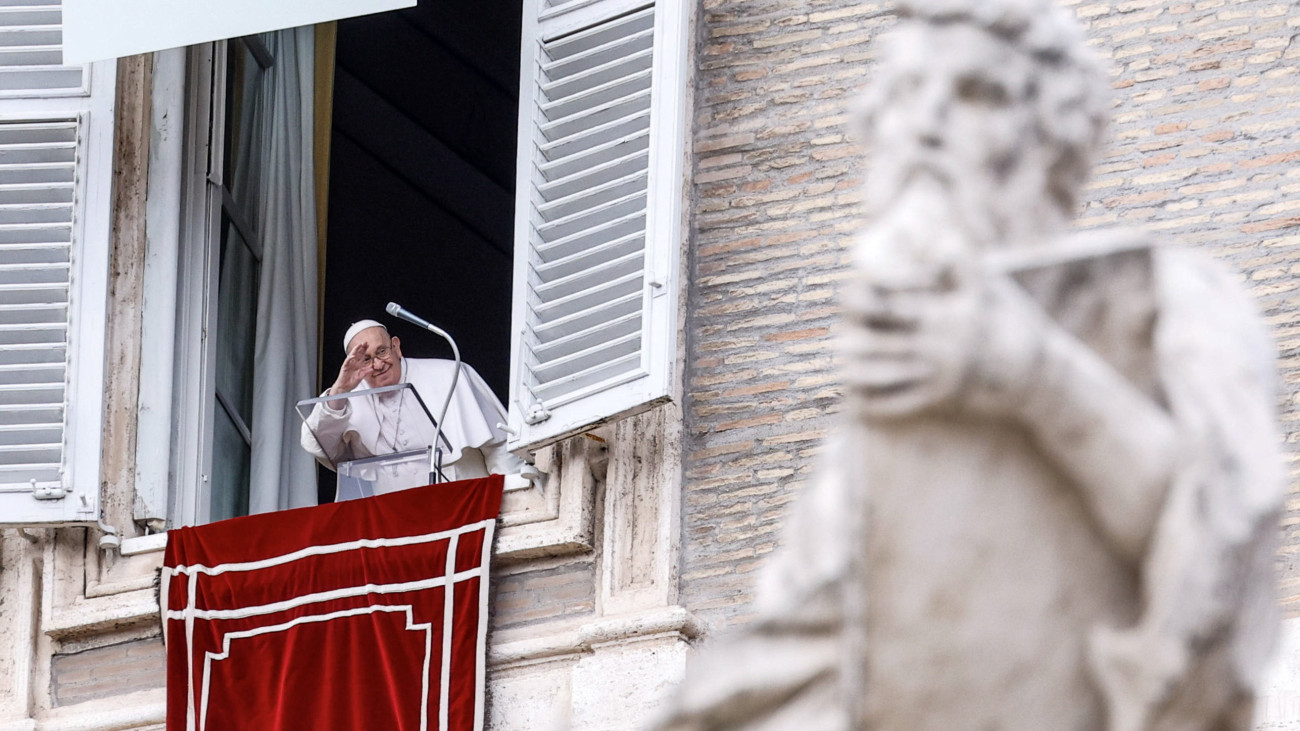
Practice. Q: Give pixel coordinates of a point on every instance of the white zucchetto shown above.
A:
(357, 327)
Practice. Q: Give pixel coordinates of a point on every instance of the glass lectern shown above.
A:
(383, 440)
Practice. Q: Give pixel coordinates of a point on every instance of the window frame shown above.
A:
(178, 399)
(205, 99)
(173, 483)
(156, 425)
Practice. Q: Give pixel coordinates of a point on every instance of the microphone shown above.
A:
(399, 311)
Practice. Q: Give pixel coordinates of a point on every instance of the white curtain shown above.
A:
(280, 137)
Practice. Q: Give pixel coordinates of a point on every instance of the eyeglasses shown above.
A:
(381, 353)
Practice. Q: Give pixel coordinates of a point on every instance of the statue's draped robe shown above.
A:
(943, 573)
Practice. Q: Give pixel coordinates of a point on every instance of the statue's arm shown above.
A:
(1207, 577)
(1119, 446)
(1126, 451)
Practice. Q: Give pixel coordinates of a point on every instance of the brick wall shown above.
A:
(1204, 144)
(776, 206)
(539, 594)
(107, 671)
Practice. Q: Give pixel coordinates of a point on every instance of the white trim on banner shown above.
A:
(94, 30)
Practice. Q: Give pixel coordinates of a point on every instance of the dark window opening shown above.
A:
(421, 181)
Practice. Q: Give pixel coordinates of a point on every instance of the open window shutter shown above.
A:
(55, 178)
(598, 215)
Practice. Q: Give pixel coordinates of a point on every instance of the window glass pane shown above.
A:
(231, 457)
(236, 320)
(244, 112)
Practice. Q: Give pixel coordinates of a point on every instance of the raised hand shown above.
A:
(351, 373)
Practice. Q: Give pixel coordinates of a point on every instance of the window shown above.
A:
(421, 179)
(56, 136)
(220, 264)
(239, 265)
(587, 292)
(246, 294)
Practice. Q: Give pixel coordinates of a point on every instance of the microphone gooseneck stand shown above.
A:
(397, 310)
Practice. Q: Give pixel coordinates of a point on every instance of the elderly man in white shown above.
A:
(355, 428)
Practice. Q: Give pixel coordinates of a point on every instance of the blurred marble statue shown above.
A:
(1054, 500)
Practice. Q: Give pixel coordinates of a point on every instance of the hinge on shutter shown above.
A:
(535, 413)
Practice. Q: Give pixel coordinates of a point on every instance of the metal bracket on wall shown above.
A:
(110, 541)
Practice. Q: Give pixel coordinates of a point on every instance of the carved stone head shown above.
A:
(1012, 109)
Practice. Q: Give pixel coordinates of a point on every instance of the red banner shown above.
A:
(368, 614)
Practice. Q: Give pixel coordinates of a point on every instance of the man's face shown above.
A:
(964, 117)
(385, 353)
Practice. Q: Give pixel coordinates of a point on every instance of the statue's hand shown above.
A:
(962, 341)
(906, 346)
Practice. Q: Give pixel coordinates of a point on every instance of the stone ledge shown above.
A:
(103, 613)
(629, 628)
(153, 543)
(142, 711)
(675, 622)
(540, 540)
(522, 653)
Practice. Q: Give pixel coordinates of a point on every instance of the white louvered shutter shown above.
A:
(598, 218)
(55, 178)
